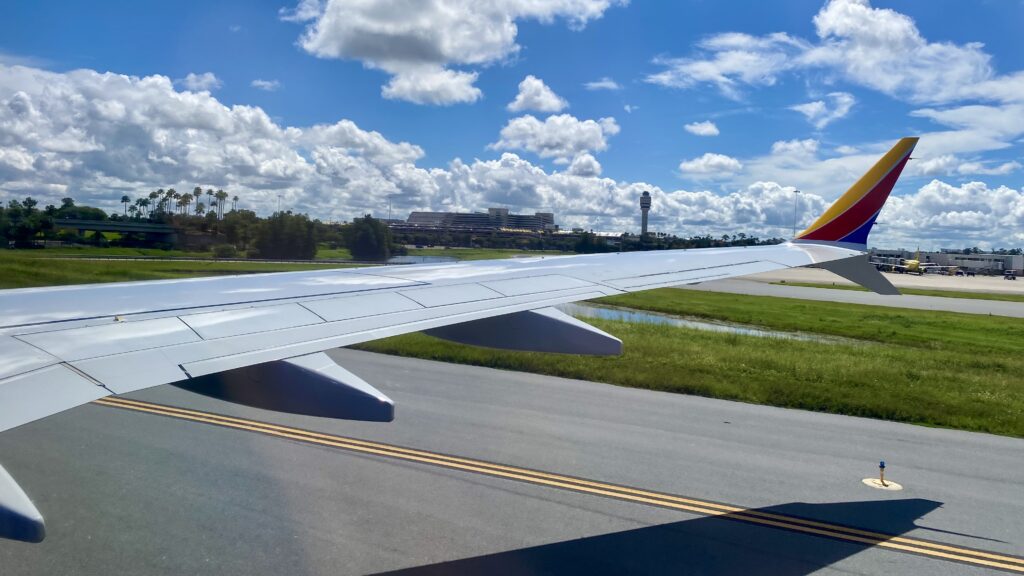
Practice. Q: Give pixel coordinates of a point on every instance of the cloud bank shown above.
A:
(96, 136)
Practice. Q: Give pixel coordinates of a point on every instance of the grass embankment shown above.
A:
(937, 369)
(916, 291)
(19, 270)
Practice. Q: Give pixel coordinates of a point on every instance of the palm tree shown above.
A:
(177, 199)
(234, 203)
(172, 196)
(134, 210)
(221, 197)
(209, 197)
(125, 200)
(144, 204)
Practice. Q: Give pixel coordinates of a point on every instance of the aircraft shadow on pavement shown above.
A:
(705, 545)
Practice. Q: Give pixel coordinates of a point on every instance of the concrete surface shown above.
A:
(981, 284)
(126, 492)
(750, 286)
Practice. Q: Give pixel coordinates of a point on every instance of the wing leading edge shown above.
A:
(65, 346)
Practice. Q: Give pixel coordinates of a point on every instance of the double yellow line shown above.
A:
(703, 507)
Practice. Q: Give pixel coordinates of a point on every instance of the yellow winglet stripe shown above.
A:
(864, 185)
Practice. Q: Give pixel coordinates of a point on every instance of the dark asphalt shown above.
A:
(126, 492)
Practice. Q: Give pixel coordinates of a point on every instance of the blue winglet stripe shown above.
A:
(860, 235)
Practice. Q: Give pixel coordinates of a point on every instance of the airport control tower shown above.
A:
(645, 207)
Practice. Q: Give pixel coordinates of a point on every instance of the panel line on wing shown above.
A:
(216, 307)
(730, 265)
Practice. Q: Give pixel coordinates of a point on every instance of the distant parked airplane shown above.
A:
(912, 266)
(264, 336)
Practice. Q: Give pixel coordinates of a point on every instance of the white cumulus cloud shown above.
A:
(432, 85)
(265, 85)
(416, 42)
(561, 137)
(728, 61)
(710, 164)
(199, 82)
(877, 48)
(534, 94)
(705, 128)
(943, 214)
(605, 83)
(821, 113)
(585, 165)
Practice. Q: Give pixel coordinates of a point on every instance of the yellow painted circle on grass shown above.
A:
(876, 483)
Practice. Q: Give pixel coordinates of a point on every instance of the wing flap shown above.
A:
(123, 373)
(535, 284)
(211, 325)
(451, 294)
(373, 304)
(112, 338)
(17, 357)
(39, 393)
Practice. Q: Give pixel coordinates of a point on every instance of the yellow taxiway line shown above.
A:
(664, 500)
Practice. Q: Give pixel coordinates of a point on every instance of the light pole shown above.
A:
(796, 194)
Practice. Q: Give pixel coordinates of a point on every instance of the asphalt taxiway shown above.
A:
(487, 471)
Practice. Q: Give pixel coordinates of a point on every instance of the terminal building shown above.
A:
(493, 219)
(994, 264)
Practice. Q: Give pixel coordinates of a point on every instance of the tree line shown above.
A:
(166, 201)
(217, 222)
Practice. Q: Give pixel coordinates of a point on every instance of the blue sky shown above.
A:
(864, 74)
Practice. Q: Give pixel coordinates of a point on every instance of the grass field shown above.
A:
(18, 270)
(96, 252)
(323, 253)
(937, 369)
(916, 291)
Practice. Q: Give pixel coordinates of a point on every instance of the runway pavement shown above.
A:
(658, 483)
(753, 287)
(978, 284)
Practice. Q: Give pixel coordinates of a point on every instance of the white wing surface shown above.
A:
(63, 346)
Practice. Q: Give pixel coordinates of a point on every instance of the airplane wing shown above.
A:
(61, 347)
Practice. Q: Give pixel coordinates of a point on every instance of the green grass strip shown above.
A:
(931, 368)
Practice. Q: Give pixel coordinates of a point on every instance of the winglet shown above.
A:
(850, 219)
